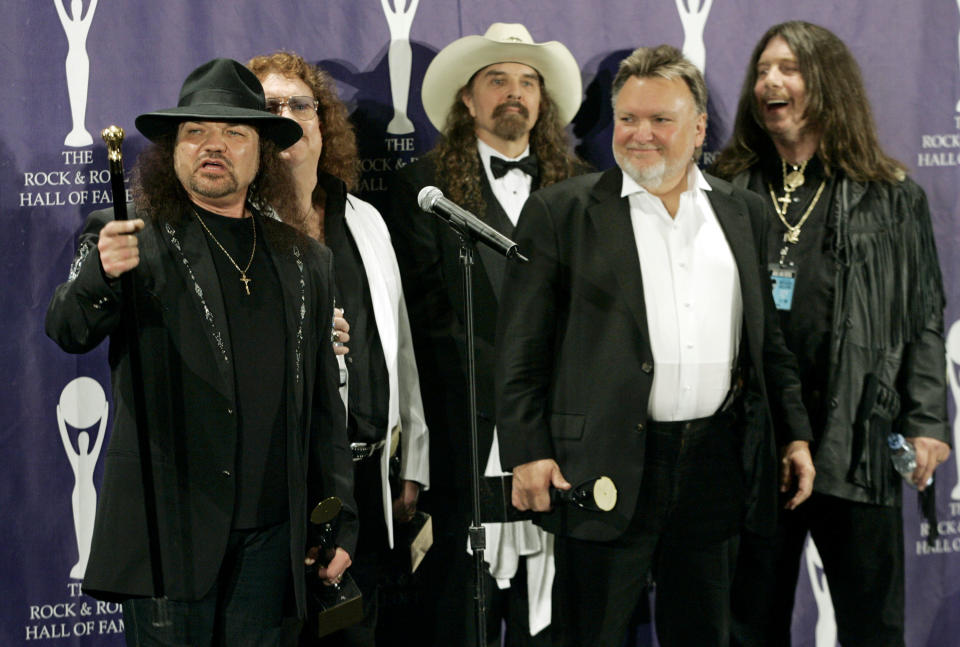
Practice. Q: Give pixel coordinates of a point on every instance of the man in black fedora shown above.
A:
(246, 427)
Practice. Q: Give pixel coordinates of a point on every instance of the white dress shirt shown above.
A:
(511, 190)
(692, 293)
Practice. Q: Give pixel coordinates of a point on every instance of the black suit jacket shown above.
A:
(428, 253)
(191, 404)
(574, 363)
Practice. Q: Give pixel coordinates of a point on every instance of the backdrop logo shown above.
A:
(953, 366)
(400, 59)
(77, 26)
(693, 16)
(825, 634)
(82, 411)
(948, 528)
(82, 405)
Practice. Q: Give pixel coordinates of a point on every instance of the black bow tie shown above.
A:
(500, 166)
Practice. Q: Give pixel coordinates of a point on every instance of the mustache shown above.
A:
(500, 110)
(214, 156)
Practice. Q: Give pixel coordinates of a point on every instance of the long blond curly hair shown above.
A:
(339, 155)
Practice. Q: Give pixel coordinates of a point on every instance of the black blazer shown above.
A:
(428, 253)
(190, 398)
(574, 362)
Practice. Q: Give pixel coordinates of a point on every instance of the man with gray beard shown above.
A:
(641, 343)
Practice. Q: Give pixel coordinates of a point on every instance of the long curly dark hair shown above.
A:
(837, 105)
(339, 155)
(458, 165)
(158, 194)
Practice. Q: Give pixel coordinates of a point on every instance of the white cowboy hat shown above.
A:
(456, 63)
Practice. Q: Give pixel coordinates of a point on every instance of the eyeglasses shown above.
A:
(301, 108)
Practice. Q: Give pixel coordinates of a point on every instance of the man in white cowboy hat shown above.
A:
(246, 428)
(501, 102)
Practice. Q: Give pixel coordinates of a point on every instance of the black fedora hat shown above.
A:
(221, 90)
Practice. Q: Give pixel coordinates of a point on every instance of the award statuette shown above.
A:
(331, 607)
(597, 495)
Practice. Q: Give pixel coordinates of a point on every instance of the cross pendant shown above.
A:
(785, 200)
(246, 282)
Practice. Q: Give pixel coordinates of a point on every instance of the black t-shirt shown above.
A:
(255, 322)
(806, 326)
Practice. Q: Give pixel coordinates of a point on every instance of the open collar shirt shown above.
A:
(692, 293)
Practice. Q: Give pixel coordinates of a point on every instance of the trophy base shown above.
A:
(333, 608)
(413, 539)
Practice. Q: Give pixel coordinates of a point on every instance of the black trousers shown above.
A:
(244, 608)
(861, 546)
(683, 534)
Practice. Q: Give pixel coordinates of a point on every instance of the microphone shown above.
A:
(431, 199)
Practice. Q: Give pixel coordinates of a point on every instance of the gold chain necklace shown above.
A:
(791, 182)
(243, 272)
(794, 179)
(792, 234)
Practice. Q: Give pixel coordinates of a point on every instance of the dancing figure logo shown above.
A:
(77, 26)
(399, 15)
(693, 16)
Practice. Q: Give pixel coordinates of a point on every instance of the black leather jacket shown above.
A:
(887, 327)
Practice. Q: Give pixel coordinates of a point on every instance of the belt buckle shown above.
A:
(361, 451)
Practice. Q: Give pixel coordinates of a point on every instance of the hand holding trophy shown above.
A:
(340, 604)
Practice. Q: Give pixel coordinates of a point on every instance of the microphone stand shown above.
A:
(468, 248)
(477, 533)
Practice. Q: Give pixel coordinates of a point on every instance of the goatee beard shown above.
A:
(510, 126)
(650, 178)
(213, 189)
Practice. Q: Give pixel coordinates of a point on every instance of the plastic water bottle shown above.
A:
(904, 457)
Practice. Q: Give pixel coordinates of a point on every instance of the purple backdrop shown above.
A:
(71, 68)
